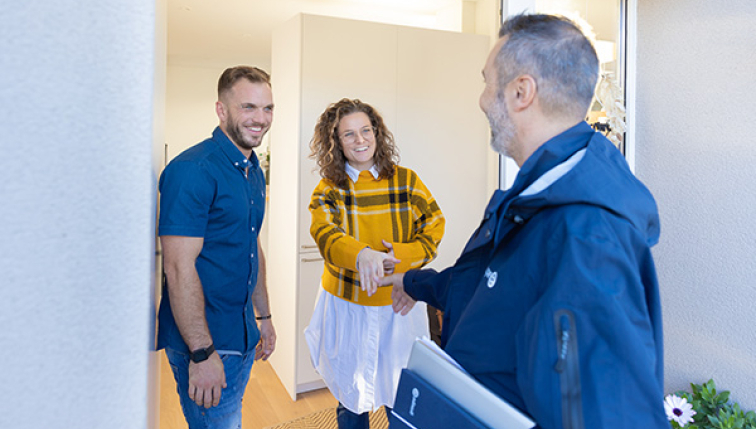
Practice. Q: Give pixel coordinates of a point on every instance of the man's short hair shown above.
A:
(554, 51)
(232, 75)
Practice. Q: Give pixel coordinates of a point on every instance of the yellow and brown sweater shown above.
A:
(399, 210)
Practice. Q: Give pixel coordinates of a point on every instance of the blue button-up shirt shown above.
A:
(213, 191)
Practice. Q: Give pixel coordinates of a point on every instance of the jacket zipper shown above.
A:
(568, 367)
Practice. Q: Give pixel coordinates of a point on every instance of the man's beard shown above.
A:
(237, 135)
(502, 129)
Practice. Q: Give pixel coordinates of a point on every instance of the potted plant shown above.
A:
(705, 408)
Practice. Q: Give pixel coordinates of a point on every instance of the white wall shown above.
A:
(191, 92)
(158, 159)
(77, 188)
(696, 99)
(487, 22)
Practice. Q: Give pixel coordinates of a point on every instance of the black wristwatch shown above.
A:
(201, 355)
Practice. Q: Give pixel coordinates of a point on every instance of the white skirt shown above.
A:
(360, 350)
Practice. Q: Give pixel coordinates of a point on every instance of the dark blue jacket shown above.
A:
(554, 303)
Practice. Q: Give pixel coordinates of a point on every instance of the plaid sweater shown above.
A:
(399, 210)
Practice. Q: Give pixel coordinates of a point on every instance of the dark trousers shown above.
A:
(434, 324)
(349, 420)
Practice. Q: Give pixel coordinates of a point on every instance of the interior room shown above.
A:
(201, 42)
(407, 96)
(96, 96)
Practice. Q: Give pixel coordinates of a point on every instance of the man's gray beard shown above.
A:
(499, 142)
(502, 130)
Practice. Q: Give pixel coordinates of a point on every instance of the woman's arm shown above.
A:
(428, 228)
(335, 245)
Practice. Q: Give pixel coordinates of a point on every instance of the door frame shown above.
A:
(628, 33)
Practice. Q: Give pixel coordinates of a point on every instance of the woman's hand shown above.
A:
(388, 264)
(371, 265)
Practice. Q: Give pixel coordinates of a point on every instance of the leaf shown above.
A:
(751, 417)
(710, 386)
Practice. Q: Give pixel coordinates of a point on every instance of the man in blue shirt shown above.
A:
(212, 201)
(554, 303)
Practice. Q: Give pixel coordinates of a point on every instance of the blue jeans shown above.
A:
(227, 415)
(349, 420)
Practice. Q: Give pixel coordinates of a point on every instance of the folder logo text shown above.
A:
(415, 395)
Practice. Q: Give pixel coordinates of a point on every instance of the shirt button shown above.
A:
(251, 255)
(253, 228)
(488, 233)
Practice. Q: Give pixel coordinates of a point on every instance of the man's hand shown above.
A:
(267, 343)
(371, 267)
(402, 303)
(206, 380)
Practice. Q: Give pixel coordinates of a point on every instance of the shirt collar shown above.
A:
(232, 152)
(354, 173)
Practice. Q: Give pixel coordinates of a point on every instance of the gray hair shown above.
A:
(556, 53)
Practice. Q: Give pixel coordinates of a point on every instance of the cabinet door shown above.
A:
(341, 59)
(310, 271)
(309, 178)
(441, 131)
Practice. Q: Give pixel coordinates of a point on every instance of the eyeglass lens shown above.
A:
(350, 136)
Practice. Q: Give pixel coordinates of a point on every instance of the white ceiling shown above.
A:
(239, 31)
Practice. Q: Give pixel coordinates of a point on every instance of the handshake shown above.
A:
(377, 270)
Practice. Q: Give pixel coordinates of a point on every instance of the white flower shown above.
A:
(679, 410)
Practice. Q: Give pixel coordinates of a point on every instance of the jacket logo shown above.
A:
(491, 276)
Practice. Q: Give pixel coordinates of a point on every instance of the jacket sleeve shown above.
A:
(589, 351)
(427, 229)
(428, 285)
(336, 246)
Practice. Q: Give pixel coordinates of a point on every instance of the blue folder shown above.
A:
(451, 397)
(419, 405)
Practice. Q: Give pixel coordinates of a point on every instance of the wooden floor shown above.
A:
(266, 402)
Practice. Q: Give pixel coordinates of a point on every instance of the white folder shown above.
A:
(439, 369)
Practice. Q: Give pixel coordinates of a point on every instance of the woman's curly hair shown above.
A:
(326, 148)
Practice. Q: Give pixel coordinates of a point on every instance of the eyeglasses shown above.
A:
(350, 136)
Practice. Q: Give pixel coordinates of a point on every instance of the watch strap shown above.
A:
(201, 355)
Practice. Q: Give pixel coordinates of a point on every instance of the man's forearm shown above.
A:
(260, 294)
(188, 307)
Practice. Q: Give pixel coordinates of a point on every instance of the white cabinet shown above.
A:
(426, 85)
(310, 270)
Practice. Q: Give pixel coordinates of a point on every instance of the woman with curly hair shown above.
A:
(370, 217)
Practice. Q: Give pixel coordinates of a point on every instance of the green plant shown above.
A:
(705, 408)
